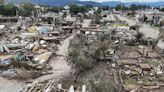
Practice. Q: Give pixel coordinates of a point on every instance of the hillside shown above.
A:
(68, 2)
(115, 3)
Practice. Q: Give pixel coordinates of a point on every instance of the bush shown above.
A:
(75, 9)
(55, 9)
(139, 36)
(84, 53)
(80, 55)
(26, 9)
(100, 79)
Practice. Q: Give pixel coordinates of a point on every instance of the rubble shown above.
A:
(42, 58)
(31, 45)
(28, 44)
(51, 86)
(145, 67)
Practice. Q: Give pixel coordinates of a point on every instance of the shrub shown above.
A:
(84, 53)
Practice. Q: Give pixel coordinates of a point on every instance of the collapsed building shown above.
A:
(30, 44)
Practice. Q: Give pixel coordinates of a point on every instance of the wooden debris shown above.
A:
(43, 57)
(50, 87)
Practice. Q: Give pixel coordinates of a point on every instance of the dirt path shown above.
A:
(129, 21)
(60, 69)
(60, 66)
(10, 85)
(147, 30)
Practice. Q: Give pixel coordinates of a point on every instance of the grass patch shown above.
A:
(120, 25)
(130, 81)
(154, 63)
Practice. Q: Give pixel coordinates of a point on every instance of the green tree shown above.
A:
(85, 55)
(121, 7)
(139, 36)
(8, 10)
(26, 9)
(55, 9)
(134, 7)
(74, 9)
(105, 7)
(98, 18)
(162, 9)
(80, 54)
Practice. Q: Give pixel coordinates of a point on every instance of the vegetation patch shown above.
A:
(120, 25)
(85, 54)
(130, 81)
(156, 63)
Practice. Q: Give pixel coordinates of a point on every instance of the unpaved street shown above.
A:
(10, 85)
(60, 66)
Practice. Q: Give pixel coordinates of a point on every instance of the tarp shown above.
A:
(32, 29)
(43, 29)
(5, 59)
(19, 57)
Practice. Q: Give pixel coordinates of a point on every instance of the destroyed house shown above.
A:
(127, 62)
(54, 33)
(66, 23)
(56, 40)
(68, 29)
(46, 19)
(152, 17)
(8, 19)
(92, 29)
(49, 20)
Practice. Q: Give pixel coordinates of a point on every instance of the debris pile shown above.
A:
(51, 87)
(140, 70)
(30, 48)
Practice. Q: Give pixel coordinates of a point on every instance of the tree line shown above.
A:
(27, 8)
(132, 7)
(12, 10)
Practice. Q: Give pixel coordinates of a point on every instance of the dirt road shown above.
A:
(60, 69)
(60, 66)
(147, 30)
(10, 85)
(129, 21)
